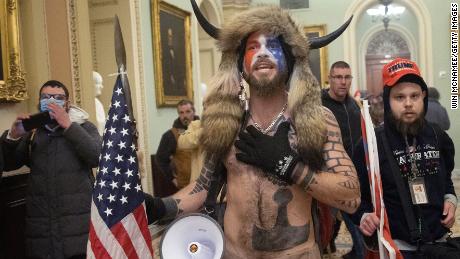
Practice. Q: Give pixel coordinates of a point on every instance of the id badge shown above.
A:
(418, 191)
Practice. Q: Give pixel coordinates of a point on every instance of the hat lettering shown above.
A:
(398, 66)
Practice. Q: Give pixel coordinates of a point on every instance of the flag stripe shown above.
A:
(386, 243)
(89, 253)
(123, 238)
(136, 236)
(96, 245)
(141, 218)
(105, 236)
(117, 232)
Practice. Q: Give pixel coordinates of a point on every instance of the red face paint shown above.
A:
(261, 45)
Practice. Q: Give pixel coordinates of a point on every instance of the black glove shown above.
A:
(154, 207)
(272, 154)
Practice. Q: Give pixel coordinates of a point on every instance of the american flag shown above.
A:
(118, 227)
(387, 246)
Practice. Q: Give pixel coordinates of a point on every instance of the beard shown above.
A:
(186, 122)
(404, 128)
(264, 86)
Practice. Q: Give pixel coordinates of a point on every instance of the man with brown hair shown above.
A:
(281, 148)
(176, 164)
(347, 112)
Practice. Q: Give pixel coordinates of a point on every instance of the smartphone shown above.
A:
(36, 120)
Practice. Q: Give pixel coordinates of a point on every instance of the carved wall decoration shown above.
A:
(12, 76)
(73, 28)
(387, 43)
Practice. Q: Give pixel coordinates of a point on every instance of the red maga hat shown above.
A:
(398, 68)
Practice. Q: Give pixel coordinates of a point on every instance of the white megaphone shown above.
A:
(193, 236)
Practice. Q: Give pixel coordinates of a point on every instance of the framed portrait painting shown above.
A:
(318, 57)
(172, 50)
(12, 79)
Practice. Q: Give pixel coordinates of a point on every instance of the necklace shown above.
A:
(275, 119)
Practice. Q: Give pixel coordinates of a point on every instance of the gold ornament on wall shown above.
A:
(12, 79)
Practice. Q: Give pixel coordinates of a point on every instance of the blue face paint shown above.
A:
(259, 45)
(45, 101)
(274, 47)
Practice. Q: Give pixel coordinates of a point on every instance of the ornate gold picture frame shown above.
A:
(12, 81)
(318, 57)
(172, 50)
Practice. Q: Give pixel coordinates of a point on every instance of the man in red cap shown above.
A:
(416, 161)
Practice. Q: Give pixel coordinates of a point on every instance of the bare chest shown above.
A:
(264, 216)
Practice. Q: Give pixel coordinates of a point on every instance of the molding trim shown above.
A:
(138, 70)
(94, 24)
(72, 18)
(94, 3)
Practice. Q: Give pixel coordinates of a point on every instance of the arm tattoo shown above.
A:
(335, 156)
(171, 207)
(204, 180)
(349, 203)
(303, 176)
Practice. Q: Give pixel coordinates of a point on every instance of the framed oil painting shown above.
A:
(172, 50)
(318, 57)
(12, 82)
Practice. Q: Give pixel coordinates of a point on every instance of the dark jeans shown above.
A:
(356, 236)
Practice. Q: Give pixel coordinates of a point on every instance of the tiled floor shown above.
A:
(343, 241)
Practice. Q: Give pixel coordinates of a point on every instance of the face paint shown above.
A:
(260, 46)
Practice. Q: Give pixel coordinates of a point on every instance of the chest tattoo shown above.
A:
(282, 236)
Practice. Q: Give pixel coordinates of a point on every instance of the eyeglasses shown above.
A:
(340, 78)
(61, 97)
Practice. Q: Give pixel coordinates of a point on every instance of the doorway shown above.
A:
(383, 47)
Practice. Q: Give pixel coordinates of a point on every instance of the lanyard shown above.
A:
(414, 169)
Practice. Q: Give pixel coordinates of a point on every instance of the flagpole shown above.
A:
(387, 248)
(120, 56)
(119, 225)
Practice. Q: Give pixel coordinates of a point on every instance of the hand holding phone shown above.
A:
(36, 120)
(17, 130)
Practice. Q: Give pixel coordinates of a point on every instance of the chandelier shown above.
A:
(385, 12)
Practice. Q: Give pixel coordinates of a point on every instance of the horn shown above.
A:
(319, 42)
(207, 27)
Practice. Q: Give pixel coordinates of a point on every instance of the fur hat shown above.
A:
(223, 111)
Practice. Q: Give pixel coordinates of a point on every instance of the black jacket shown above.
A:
(348, 116)
(167, 148)
(58, 199)
(438, 183)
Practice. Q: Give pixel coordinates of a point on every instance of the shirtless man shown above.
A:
(289, 153)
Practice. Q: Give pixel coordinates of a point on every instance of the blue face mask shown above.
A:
(45, 101)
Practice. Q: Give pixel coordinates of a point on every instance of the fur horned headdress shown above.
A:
(223, 111)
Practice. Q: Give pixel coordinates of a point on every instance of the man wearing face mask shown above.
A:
(60, 156)
(176, 164)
